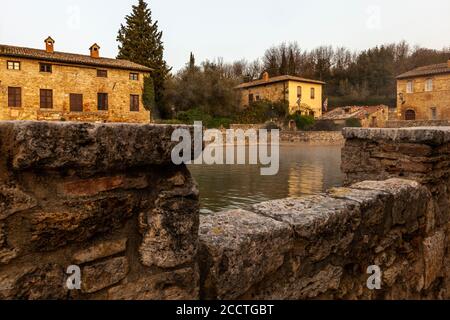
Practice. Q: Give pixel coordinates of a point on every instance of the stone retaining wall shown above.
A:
(416, 123)
(103, 197)
(313, 137)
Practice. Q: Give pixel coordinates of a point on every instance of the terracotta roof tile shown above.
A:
(426, 71)
(350, 112)
(70, 58)
(276, 79)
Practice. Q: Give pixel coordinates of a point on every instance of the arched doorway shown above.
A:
(410, 115)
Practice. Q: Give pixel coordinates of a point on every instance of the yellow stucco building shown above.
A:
(49, 85)
(302, 95)
(424, 93)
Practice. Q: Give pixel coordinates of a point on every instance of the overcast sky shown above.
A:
(232, 29)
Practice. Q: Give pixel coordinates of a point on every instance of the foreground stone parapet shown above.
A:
(325, 245)
(93, 147)
(104, 197)
(240, 248)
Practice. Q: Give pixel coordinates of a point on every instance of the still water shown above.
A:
(304, 169)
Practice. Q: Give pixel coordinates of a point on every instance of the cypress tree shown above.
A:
(140, 41)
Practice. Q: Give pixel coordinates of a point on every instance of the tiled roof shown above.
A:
(353, 112)
(276, 79)
(426, 71)
(70, 58)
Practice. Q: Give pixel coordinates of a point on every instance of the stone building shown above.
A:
(424, 93)
(50, 85)
(368, 116)
(302, 95)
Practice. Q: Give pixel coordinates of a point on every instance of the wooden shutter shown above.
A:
(102, 101)
(14, 97)
(134, 103)
(76, 102)
(46, 98)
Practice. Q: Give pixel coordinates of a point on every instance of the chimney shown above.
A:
(95, 50)
(49, 45)
(265, 76)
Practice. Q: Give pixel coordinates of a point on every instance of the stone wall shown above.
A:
(106, 197)
(313, 137)
(103, 197)
(417, 123)
(320, 247)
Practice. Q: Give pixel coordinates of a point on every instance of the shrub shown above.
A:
(303, 122)
(352, 122)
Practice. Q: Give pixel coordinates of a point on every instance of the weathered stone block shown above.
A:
(433, 252)
(13, 200)
(104, 274)
(102, 249)
(170, 230)
(93, 147)
(238, 249)
(182, 284)
(80, 220)
(92, 187)
(33, 283)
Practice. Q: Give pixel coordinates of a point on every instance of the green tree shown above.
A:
(140, 41)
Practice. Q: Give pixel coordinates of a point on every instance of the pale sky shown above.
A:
(231, 29)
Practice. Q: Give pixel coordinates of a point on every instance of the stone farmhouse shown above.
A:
(303, 95)
(368, 116)
(424, 93)
(50, 85)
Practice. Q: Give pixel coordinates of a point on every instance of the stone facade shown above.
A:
(104, 197)
(65, 79)
(431, 104)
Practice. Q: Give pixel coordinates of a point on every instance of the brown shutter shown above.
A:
(14, 97)
(134, 103)
(46, 98)
(76, 102)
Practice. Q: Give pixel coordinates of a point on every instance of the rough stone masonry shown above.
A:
(106, 197)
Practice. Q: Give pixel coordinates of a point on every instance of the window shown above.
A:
(433, 113)
(102, 73)
(46, 99)
(102, 101)
(134, 102)
(14, 97)
(258, 98)
(13, 65)
(76, 102)
(429, 85)
(410, 115)
(299, 92)
(409, 87)
(313, 93)
(45, 67)
(251, 98)
(134, 76)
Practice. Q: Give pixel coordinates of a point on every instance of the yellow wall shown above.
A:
(422, 101)
(66, 79)
(280, 91)
(315, 104)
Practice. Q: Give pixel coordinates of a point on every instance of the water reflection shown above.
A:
(304, 169)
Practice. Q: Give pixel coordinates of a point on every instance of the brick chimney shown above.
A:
(95, 51)
(265, 76)
(49, 45)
